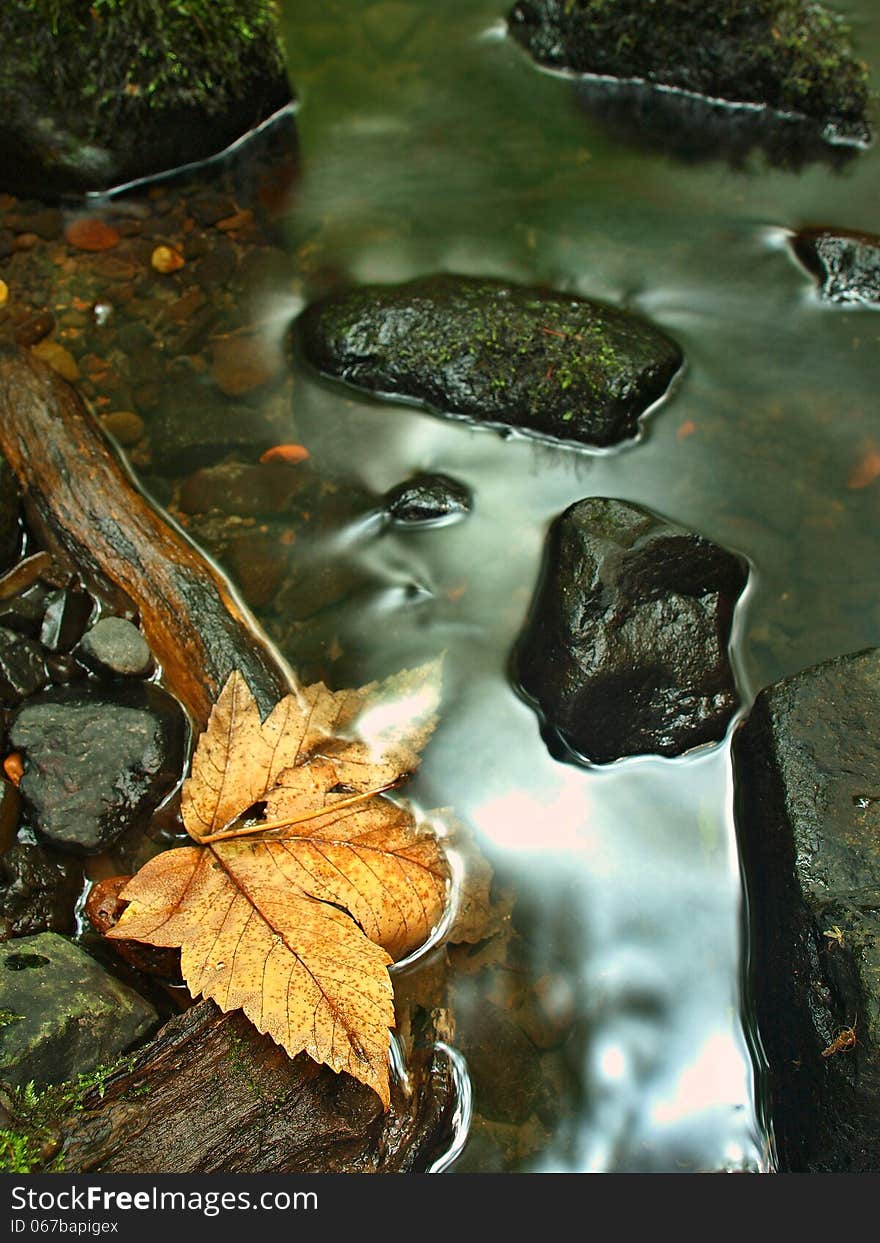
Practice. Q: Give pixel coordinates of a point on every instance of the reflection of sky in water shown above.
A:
(427, 145)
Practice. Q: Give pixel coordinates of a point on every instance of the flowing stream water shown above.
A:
(429, 141)
(609, 1028)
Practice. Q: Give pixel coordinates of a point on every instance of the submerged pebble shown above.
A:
(428, 500)
(39, 889)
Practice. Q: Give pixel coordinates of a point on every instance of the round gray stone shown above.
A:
(114, 645)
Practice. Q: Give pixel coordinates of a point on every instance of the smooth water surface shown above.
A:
(430, 142)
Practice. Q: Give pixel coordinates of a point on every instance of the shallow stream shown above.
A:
(608, 1028)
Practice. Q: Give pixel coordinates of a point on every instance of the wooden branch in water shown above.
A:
(208, 1093)
(90, 511)
(211, 1094)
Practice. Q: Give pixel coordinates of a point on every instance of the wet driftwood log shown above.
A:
(208, 1093)
(88, 510)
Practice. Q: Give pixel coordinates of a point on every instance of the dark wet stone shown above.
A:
(10, 531)
(545, 363)
(39, 890)
(626, 646)
(98, 760)
(63, 668)
(248, 490)
(73, 1015)
(846, 265)
(65, 619)
(71, 131)
(116, 646)
(791, 55)
(428, 500)
(807, 765)
(24, 612)
(10, 805)
(22, 668)
(503, 1063)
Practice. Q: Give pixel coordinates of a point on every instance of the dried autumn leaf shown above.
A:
(297, 925)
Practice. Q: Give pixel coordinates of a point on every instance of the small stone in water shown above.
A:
(428, 500)
(114, 645)
(66, 617)
(91, 234)
(38, 889)
(58, 358)
(124, 426)
(22, 668)
(166, 259)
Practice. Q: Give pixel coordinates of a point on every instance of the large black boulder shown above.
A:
(625, 650)
(807, 765)
(98, 760)
(510, 355)
(790, 55)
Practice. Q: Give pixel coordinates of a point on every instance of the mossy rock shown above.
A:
(546, 363)
(66, 1015)
(97, 94)
(790, 55)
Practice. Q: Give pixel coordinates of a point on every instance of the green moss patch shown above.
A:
(544, 362)
(791, 55)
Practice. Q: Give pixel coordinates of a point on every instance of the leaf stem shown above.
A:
(267, 825)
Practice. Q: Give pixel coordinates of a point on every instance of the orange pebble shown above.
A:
(166, 259)
(91, 234)
(866, 470)
(13, 768)
(291, 454)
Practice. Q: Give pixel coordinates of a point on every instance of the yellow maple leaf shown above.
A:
(295, 918)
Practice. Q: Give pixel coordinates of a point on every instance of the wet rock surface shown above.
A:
(428, 500)
(98, 760)
(10, 533)
(39, 889)
(626, 646)
(787, 54)
(23, 670)
(76, 85)
(72, 1015)
(846, 265)
(511, 355)
(115, 646)
(807, 764)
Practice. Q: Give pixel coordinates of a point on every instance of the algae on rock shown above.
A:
(790, 55)
(545, 362)
(96, 94)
